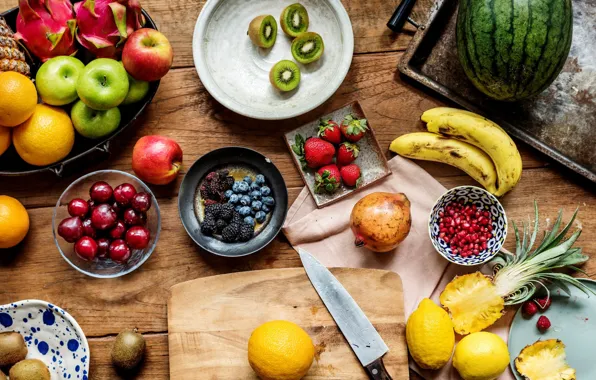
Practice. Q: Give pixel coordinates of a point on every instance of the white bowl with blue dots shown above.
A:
(51, 335)
(484, 201)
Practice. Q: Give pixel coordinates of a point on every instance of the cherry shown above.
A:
(103, 248)
(78, 207)
(103, 217)
(71, 229)
(88, 229)
(134, 218)
(117, 208)
(118, 231)
(119, 251)
(86, 248)
(101, 192)
(138, 237)
(124, 193)
(141, 202)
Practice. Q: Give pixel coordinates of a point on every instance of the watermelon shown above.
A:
(513, 49)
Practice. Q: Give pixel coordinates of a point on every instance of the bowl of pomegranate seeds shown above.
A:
(468, 225)
(106, 224)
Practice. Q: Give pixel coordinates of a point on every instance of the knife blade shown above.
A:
(363, 338)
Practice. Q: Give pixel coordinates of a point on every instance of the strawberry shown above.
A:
(313, 152)
(350, 174)
(543, 323)
(353, 129)
(327, 179)
(329, 131)
(346, 153)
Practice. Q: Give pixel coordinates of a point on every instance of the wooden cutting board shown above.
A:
(210, 320)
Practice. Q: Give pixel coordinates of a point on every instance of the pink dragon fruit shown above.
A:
(46, 27)
(104, 25)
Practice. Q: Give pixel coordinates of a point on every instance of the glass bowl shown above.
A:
(104, 268)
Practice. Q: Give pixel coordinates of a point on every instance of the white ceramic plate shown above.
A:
(236, 73)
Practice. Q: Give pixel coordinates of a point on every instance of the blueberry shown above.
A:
(244, 211)
(253, 212)
(260, 179)
(245, 200)
(269, 201)
(237, 208)
(234, 198)
(236, 187)
(228, 194)
(260, 216)
(242, 187)
(265, 191)
(249, 220)
(254, 186)
(247, 179)
(256, 205)
(255, 195)
(265, 209)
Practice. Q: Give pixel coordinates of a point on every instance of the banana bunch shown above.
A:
(468, 141)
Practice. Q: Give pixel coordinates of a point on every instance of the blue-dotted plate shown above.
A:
(483, 200)
(52, 336)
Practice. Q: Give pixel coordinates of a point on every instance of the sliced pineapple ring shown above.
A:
(472, 302)
(544, 360)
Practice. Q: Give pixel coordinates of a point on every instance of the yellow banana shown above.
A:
(432, 147)
(485, 135)
(433, 113)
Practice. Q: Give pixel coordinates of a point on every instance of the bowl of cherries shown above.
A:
(106, 223)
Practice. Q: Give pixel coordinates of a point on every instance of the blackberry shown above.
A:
(237, 218)
(220, 225)
(208, 226)
(230, 233)
(210, 202)
(227, 211)
(246, 232)
(211, 176)
(214, 210)
(228, 182)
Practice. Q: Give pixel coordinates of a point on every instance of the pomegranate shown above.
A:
(380, 221)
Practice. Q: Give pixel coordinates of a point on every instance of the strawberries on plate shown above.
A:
(314, 152)
(329, 131)
(353, 128)
(327, 179)
(350, 175)
(346, 154)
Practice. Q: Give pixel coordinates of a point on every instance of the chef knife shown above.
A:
(364, 339)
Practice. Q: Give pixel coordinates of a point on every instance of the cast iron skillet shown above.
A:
(217, 159)
(84, 150)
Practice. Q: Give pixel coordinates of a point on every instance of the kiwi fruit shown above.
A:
(30, 369)
(294, 20)
(263, 31)
(12, 348)
(285, 75)
(128, 350)
(307, 47)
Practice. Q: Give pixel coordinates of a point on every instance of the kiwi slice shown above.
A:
(294, 20)
(263, 31)
(285, 75)
(307, 47)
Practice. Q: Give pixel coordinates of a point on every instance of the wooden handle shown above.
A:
(376, 370)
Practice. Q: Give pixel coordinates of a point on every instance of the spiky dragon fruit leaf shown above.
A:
(119, 12)
(89, 5)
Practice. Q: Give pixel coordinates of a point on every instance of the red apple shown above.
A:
(156, 159)
(147, 55)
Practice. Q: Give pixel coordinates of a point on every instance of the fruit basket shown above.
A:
(85, 150)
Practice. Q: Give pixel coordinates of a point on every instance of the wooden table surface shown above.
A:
(183, 110)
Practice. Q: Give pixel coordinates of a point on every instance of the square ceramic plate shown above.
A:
(372, 162)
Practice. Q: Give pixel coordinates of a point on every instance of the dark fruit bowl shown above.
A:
(220, 159)
(84, 150)
(104, 268)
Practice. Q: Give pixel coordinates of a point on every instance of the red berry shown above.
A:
(86, 248)
(138, 237)
(134, 218)
(103, 248)
(103, 217)
(141, 202)
(119, 251)
(529, 308)
(88, 229)
(350, 175)
(124, 193)
(101, 192)
(78, 207)
(329, 131)
(544, 302)
(543, 323)
(118, 231)
(327, 179)
(71, 229)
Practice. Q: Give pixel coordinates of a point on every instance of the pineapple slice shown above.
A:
(544, 360)
(473, 302)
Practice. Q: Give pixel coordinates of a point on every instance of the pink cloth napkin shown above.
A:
(326, 234)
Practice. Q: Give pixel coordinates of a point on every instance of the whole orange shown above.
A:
(14, 222)
(4, 139)
(18, 98)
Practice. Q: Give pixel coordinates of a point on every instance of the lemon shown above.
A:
(280, 350)
(46, 137)
(430, 336)
(18, 98)
(4, 139)
(14, 222)
(481, 356)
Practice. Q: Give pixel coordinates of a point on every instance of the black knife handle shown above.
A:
(376, 370)
(400, 15)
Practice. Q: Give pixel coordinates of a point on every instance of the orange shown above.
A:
(14, 222)
(46, 137)
(4, 139)
(18, 98)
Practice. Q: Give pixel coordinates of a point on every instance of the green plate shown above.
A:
(573, 321)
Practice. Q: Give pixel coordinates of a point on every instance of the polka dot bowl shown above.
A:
(483, 200)
(51, 335)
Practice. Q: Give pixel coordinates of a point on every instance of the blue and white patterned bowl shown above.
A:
(483, 200)
(51, 335)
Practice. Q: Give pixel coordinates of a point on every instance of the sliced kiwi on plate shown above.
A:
(285, 75)
(263, 31)
(307, 47)
(294, 20)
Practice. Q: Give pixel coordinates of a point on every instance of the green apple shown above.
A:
(56, 80)
(103, 84)
(137, 89)
(94, 124)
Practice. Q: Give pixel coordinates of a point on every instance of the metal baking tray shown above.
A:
(560, 122)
